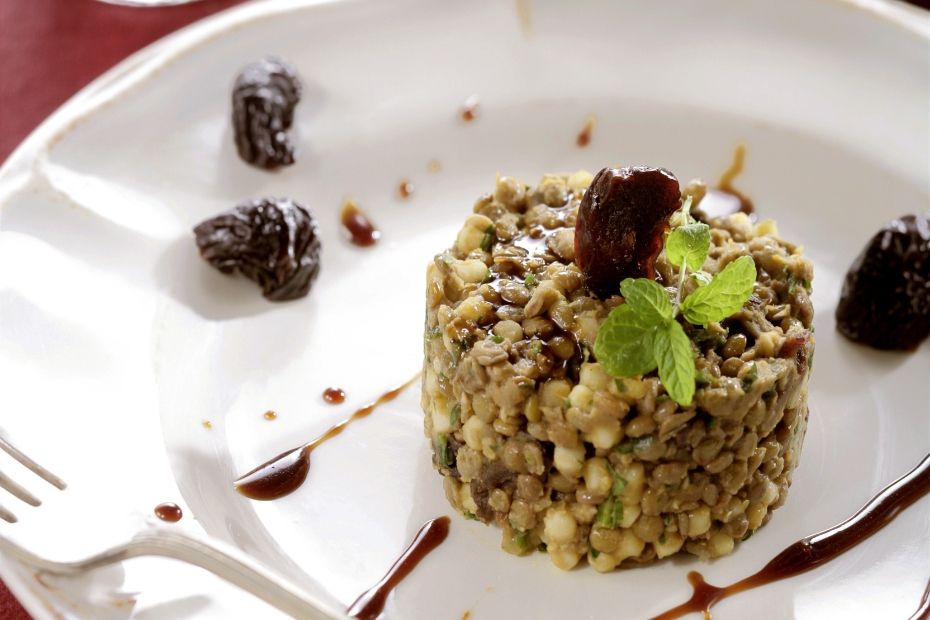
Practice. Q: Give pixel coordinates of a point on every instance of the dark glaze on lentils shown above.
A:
(885, 301)
(264, 97)
(818, 549)
(621, 221)
(370, 604)
(284, 473)
(273, 241)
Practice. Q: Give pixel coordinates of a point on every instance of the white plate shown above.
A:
(118, 341)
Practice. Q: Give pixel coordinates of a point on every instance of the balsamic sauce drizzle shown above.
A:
(285, 472)
(923, 613)
(811, 552)
(370, 604)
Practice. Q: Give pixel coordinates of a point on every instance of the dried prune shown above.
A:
(274, 241)
(885, 301)
(621, 220)
(264, 97)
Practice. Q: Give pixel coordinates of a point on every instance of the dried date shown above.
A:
(885, 301)
(273, 241)
(621, 220)
(264, 97)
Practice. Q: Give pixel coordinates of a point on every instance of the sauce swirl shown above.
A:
(286, 472)
(813, 551)
(370, 604)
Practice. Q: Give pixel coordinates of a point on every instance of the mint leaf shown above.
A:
(625, 343)
(688, 244)
(648, 299)
(725, 294)
(676, 362)
(701, 277)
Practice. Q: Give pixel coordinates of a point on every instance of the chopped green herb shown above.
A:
(619, 481)
(488, 238)
(712, 423)
(666, 520)
(621, 385)
(566, 403)
(470, 516)
(497, 339)
(495, 447)
(542, 548)
(535, 348)
(662, 539)
(771, 393)
(594, 553)
(610, 513)
(797, 429)
(749, 534)
(750, 377)
(443, 454)
(530, 280)
(455, 414)
(447, 259)
(701, 379)
(634, 444)
(487, 276)
(434, 332)
(522, 541)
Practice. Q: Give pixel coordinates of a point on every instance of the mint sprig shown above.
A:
(644, 333)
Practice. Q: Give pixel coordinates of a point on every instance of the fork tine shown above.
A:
(33, 466)
(10, 485)
(7, 516)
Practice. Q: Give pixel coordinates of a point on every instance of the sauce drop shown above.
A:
(270, 415)
(811, 552)
(334, 395)
(470, 108)
(584, 138)
(284, 473)
(359, 228)
(405, 189)
(370, 604)
(434, 165)
(207, 424)
(169, 511)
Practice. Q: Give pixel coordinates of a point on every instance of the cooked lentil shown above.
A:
(530, 433)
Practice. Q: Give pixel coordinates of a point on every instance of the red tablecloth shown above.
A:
(50, 49)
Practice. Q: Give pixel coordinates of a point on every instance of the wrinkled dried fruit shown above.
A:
(621, 220)
(264, 97)
(274, 241)
(885, 301)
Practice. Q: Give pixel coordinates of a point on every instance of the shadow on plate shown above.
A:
(213, 295)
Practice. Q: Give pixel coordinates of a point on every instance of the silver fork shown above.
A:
(220, 559)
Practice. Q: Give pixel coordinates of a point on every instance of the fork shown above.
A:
(220, 559)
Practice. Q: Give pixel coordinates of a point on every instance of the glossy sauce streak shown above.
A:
(334, 395)
(405, 189)
(818, 549)
(360, 229)
(285, 472)
(584, 138)
(726, 199)
(169, 512)
(270, 415)
(371, 603)
(923, 613)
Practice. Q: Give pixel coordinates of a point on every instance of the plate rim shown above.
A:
(18, 170)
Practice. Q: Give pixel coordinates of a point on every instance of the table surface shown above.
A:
(50, 49)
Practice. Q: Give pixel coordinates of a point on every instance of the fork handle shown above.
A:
(221, 559)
